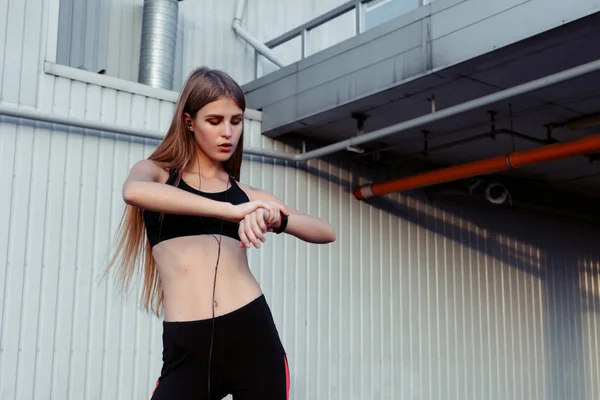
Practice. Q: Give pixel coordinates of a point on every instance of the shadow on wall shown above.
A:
(506, 235)
(561, 254)
(566, 261)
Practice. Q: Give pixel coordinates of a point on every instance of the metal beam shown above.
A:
(344, 144)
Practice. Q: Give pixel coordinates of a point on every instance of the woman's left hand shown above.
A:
(274, 219)
(256, 224)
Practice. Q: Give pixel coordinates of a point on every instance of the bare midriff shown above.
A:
(186, 266)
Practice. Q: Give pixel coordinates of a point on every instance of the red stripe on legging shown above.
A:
(287, 378)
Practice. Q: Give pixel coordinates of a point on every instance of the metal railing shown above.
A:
(303, 30)
(322, 19)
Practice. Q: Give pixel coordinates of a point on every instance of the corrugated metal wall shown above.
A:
(412, 301)
(20, 50)
(415, 300)
(99, 34)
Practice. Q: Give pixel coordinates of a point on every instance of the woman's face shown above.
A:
(217, 128)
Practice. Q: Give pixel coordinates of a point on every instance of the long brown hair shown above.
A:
(176, 151)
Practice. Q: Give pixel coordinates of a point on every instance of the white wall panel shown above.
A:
(19, 50)
(414, 300)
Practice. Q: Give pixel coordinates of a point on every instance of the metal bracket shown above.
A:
(594, 157)
(432, 101)
(425, 142)
(492, 123)
(549, 129)
(360, 130)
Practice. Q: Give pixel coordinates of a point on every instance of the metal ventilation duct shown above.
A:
(159, 38)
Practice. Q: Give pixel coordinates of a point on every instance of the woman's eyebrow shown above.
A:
(221, 116)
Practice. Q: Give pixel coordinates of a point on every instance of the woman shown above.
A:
(187, 218)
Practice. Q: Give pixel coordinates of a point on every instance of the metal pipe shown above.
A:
(70, 121)
(514, 160)
(103, 127)
(158, 43)
(342, 145)
(448, 145)
(454, 110)
(258, 45)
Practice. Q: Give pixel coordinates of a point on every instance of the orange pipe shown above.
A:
(516, 159)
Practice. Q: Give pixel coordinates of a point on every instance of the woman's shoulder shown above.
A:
(148, 167)
(249, 190)
(254, 193)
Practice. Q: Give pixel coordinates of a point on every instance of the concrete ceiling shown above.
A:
(530, 115)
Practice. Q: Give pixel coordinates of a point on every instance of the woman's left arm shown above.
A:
(303, 226)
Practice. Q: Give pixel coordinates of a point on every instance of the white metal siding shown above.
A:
(20, 50)
(64, 332)
(412, 301)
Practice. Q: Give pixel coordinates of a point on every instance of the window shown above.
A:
(83, 34)
(378, 12)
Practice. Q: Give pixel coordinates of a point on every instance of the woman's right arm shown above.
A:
(144, 190)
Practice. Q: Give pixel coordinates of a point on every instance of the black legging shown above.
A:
(248, 360)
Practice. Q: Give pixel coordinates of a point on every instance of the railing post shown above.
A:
(256, 55)
(304, 43)
(358, 8)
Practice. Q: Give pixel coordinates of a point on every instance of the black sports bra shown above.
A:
(176, 225)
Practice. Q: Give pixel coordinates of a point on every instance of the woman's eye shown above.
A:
(236, 121)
